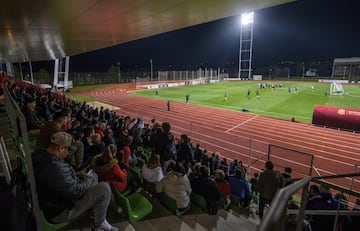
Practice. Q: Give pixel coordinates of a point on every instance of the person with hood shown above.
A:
(107, 168)
(176, 185)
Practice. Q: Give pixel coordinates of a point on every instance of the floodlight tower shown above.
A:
(246, 40)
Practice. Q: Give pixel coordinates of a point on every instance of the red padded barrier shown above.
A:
(343, 118)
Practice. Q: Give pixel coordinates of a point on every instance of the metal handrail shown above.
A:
(275, 217)
(279, 204)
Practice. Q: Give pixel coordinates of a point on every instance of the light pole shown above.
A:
(151, 70)
(270, 70)
(118, 67)
(246, 25)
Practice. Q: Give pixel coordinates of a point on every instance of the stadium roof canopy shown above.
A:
(38, 30)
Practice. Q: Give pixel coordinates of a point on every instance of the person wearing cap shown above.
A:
(63, 195)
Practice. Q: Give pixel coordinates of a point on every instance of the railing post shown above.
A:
(302, 207)
(352, 181)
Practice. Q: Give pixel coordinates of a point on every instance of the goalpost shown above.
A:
(336, 89)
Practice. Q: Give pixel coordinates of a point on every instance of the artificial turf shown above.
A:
(274, 102)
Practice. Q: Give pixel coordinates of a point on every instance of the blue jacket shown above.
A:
(325, 201)
(239, 187)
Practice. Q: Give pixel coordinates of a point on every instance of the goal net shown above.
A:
(336, 89)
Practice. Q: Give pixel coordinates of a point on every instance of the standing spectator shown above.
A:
(63, 195)
(163, 143)
(253, 182)
(206, 187)
(198, 153)
(185, 152)
(269, 183)
(232, 167)
(287, 176)
(224, 166)
(176, 185)
(108, 169)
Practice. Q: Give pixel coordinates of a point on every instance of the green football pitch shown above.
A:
(274, 102)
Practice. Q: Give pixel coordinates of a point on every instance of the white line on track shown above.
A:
(227, 131)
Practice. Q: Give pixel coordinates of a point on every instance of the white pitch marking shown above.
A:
(227, 131)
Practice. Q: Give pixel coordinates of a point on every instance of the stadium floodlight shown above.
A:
(246, 26)
(247, 18)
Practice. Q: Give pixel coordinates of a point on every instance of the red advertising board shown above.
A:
(336, 117)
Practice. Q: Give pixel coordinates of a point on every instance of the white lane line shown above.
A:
(227, 131)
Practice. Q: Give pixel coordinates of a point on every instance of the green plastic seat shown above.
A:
(235, 200)
(135, 205)
(198, 200)
(137, 172)
(50, 226)
(150, 188)
(170, 204)
(225, 204)
(141, 161)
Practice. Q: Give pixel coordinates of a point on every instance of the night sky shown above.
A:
(305, 30)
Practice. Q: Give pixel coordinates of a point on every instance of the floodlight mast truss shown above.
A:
(245, 52)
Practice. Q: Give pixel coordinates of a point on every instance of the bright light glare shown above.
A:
(247, 18)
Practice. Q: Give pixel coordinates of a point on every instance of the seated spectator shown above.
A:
(355, 220)
(50, 128)
(63, 195)
(206, 187)
(124, 152)
(108, 137)
(33, 122)
(325, 201)
(223, 186)
(314, 190)
(97, 147)
(176, 185)
(240, 188)
(292, 219)
(107, 168)
(152, 171)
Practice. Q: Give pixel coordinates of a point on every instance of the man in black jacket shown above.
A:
(63, 195)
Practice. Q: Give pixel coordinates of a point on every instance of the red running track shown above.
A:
(246, 136)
